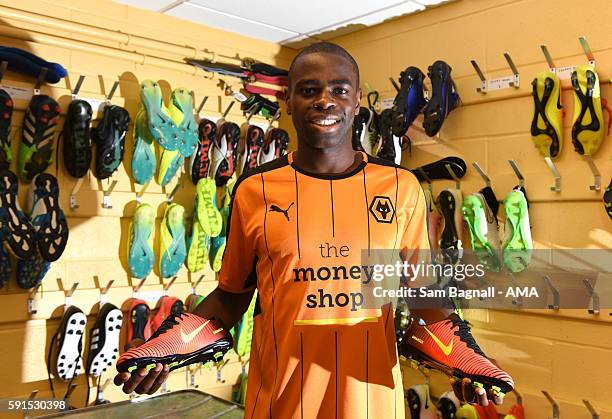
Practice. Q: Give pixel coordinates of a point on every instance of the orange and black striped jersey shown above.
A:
(298, 238)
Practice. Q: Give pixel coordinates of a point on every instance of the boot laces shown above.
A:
(168, 324)
(465, 334)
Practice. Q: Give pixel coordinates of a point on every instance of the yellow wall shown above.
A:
(97, 244)
(567, 353)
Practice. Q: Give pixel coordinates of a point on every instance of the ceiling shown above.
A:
(289, 23)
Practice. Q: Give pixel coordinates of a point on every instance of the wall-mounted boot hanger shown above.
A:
(31, 397)
(517, 172)
(596, 186)
(40, 80)
(201, 105)
(110, 95)
(395, 85)
(518, 300)
(565, 72)
(453, 175)
(591, 409)
(195, 284)
(594, 297)
(555, 293)
(482, 174)
(142, 190)
(427, 179)
(77, 87)
(556, 175)
(69, 294)
(106, 197)
(500, 83)
(168, 285)
(104, 292)
(170, 196)
(136, 289)
(32, 301)
(483, 80)
(553, 403)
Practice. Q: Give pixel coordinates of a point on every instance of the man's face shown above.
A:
(323, 99)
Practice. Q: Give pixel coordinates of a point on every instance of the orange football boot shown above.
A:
(448, 346)
(181, 340)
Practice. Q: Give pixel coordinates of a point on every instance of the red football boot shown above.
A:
(138, 323)
(181, 340)
(448, 346)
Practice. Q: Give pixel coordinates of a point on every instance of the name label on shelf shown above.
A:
(149, 296)
(16, 92)
(386, 103)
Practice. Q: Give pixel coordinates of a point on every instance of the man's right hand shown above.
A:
(142, 382)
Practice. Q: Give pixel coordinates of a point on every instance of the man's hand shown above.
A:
(142, 382)
(465, 391)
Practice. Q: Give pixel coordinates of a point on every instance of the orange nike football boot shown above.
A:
(448, 346)
(181, 340)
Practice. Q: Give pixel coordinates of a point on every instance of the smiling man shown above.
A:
(299, 227)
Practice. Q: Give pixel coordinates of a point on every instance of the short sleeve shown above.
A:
(238, 270)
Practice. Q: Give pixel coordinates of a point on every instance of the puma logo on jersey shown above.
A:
(276, 208)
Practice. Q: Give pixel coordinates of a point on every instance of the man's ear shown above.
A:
(359, 97)
(288, 100)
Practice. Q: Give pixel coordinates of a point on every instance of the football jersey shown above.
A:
(300, 238)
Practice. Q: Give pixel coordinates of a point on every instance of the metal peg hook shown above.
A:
(518, 300)
(594, 297)
(591, 409)
(252, 111)
(32, 308)
(517, 78)
(555, 293)
(75, 91)
(518, 173)
(68, 295)
(112, 91)
(40, 79)
(596, 186)
(548, 57)
(557, 186)
(169, 284)
(394, 83)
(170, 197)
(427, 179)
(229, 107)
(140, 193)
(483, 80)
(519, 398)
(106, 202)
(195, 285)
(104, 291)
(453, 175)
(555, 406)
(3, 66)
(201, 105)
(137, 288)
(482, 174)
(587, 50)
(73, 194)
(220, 367)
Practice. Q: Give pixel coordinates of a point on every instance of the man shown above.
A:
(298, 228)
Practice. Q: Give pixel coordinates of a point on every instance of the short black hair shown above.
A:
(327, 48)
